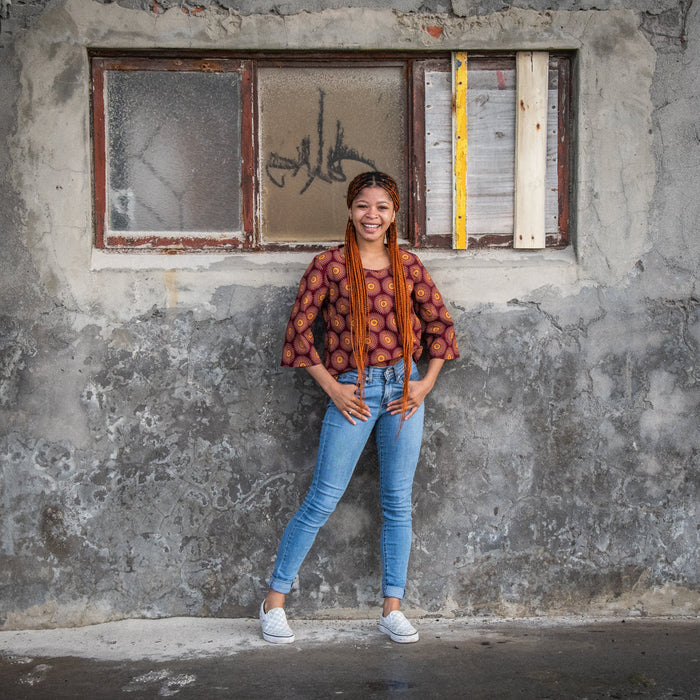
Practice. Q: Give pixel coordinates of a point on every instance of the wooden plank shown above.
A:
(530, 148)
(438, 156)
(551, 202)
(460, 146)
(563, 140)
(491, 138)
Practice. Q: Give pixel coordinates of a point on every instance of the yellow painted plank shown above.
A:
(460, 145)
(532, 69)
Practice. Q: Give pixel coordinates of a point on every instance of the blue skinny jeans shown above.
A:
(340, 447)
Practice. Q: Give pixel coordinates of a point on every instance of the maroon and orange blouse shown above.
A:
(324, 287)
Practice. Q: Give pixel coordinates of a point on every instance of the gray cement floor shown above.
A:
(463, 658)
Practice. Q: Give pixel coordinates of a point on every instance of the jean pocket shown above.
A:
(349, 377)
(399, 373)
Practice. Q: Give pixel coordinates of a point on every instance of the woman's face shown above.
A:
(372, 211)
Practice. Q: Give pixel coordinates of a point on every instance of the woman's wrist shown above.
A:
(324, 378)
(434, 367)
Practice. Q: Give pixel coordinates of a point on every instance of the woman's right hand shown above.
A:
(349, 404)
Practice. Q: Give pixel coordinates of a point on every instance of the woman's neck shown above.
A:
(374, 255)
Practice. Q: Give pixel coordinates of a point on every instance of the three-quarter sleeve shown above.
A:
(438, 326)
(299, 349)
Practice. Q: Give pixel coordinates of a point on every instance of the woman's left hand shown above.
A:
(417, 391)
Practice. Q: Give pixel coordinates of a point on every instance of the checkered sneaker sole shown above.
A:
(398, 627)
(274, 626)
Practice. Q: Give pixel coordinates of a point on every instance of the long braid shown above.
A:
(359, 304)
(402, 307)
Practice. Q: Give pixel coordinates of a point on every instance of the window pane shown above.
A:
(319, 127)
(173, 148)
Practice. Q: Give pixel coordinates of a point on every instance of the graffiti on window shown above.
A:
(328, 162)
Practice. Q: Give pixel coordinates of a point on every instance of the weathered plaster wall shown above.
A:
(152, 449)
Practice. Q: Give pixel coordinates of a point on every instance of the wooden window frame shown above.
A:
(246, 63)
(171, 243)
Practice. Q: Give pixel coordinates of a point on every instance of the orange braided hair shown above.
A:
(359, 304)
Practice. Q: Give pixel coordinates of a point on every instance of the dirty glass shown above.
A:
(491, 151)
(173, 147)
(319, 127)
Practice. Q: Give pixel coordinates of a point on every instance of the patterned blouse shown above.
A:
(324, 287)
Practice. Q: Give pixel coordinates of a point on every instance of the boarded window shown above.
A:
(489, 146)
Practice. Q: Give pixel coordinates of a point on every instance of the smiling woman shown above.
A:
(371, 213)
(371, 379)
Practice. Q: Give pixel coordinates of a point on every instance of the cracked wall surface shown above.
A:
(152, 449)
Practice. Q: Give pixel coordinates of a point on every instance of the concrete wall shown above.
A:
(152, 449)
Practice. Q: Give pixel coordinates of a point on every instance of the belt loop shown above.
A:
(399, 371)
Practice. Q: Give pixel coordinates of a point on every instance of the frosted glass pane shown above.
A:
(319, 128)
(173, 147)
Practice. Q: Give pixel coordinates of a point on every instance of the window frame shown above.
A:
(357, 60)
(107, 240)
(496, 60)
(415, 64)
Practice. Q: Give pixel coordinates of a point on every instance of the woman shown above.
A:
(377, 302)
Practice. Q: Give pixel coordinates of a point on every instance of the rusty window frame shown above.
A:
(175, 242)
(415, 64)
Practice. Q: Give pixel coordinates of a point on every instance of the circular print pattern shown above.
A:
(324, 287)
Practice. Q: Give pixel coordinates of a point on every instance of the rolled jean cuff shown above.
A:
(393, 592)
(280, 586)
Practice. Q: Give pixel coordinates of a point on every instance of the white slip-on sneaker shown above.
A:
(274, 626)
(398, 627)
